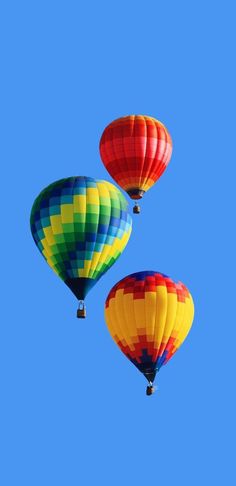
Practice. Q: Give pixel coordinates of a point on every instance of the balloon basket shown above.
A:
(150, 390)
(136, 209)
(81, 311)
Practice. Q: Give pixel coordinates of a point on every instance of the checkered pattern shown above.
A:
(135, 150)
(149, 316)
(81, 226)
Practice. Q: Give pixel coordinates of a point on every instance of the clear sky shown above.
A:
(67, 70)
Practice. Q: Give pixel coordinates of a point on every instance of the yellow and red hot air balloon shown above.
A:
(136, 150)
(149, 316)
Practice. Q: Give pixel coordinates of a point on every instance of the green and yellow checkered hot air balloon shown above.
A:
(81, 226)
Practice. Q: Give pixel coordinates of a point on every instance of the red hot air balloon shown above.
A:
(136, 150)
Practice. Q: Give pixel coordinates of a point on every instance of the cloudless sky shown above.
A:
(73, 408)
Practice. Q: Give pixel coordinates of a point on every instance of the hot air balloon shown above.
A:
(81, 226)
(136, 150)
(149, 316)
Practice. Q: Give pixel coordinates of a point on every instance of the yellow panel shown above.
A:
(49, 236)
(113, 321)
(109, 319)
(109, 251)
(150, 305)
(103, 189)
(111, 187)
(46, 251)
(92, 195)
(161, 313)
(179, 320)
(121, 318)
(51, 264)
(67, 213)
(56, 224)
(140, 316)
(128, 305)
(104, 256)
(98, 262)
(79, 204)
(187, 319)
(94, 262)
(83, 272)
(170, 317)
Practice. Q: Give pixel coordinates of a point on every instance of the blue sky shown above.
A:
(67, 71)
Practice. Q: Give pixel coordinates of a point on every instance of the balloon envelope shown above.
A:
(81, 226)
(135, 150)
(149, 316)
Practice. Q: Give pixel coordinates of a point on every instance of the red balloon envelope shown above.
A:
(136, 150)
